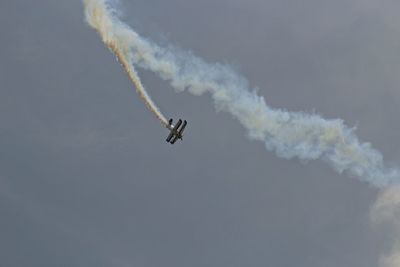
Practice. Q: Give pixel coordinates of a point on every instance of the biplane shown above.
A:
(176, 131)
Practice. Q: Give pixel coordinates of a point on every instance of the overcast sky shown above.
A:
(87, 179)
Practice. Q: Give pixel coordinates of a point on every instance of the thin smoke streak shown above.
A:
(289, 134)
(99, 17)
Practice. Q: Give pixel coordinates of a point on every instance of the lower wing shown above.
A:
(170, 137)
(174, 140)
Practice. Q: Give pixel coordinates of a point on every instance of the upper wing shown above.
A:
(183, 128)
(177, 125)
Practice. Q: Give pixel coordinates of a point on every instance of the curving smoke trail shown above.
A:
(99, 16)
(386, 211)
(289, 134)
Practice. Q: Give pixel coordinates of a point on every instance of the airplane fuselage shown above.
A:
(174, 132)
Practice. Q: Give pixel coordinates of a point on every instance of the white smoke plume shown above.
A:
(386, 211)
(289, 134)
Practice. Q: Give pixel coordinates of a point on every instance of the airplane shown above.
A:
(175, 133)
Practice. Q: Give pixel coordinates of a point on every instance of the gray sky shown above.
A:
(86, 178)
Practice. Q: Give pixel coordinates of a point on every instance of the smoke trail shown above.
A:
(99, 16)
(386, 211)
(289, 134)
